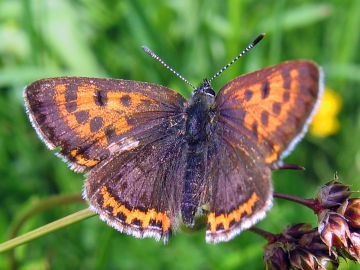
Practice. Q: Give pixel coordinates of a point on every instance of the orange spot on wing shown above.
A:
(60, 88)
(274, 155)
(81, 160)
(86, 87)
(236, 214)
(144, 217)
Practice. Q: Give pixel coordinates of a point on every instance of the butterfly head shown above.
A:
(204, 93)
(205, 88)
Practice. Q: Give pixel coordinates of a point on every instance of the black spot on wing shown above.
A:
(286, 96)
(100, 98)
(110, 133)
(248, 94)
(71, 107)
(125, 100)
(276, 108)
(265, 118)
(71, 93)
(96, 124)
(285, 73)
(265, 89)
(82, 116)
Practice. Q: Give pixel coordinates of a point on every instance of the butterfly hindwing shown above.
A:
(239, 184)
(139, 191)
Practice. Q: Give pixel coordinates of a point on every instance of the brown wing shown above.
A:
(273, 106)
(129, 134)
(240, 189)
(138, 191)
(260, 117)
(90, 118)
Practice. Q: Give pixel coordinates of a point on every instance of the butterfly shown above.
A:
(155, 159)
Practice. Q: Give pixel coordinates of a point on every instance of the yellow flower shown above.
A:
(325, 122)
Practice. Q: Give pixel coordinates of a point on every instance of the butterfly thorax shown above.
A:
(198, 113)
(198, 131)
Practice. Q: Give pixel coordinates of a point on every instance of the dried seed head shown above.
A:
(352, 212)
(275, 258)
(333, 194)
(333, 229)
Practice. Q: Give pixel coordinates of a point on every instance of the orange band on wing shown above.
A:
(144, 217)
(81, 160)
(236, 214)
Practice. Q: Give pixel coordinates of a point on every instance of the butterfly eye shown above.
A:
(210, 91)
(206, 88)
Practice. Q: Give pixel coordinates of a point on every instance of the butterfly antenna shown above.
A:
(154, 55)
(252, 44)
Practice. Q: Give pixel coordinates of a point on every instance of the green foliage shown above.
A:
(47, 38)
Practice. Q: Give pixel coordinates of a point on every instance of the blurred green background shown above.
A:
(47, 38)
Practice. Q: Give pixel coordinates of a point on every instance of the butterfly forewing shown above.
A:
(272, 106)
(90, 117)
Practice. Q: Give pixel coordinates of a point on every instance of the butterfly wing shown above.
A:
(128, 135)
(273, 106)
(240, 190)
(260, 117)
(90, 118)
(139, 191)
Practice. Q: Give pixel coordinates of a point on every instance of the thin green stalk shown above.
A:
(35, 209)
(42, 206)
(48, 228)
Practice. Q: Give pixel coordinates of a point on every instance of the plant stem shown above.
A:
(35, 209)
(41, 206)
(307, 202)
(53, 226)
(267, 235)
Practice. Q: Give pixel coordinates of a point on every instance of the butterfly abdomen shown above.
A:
(193, 183)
